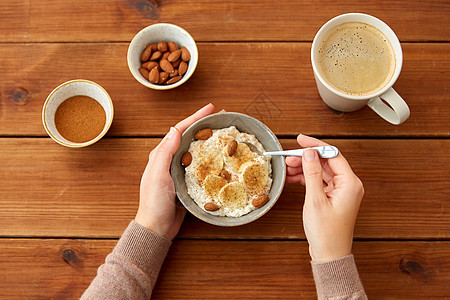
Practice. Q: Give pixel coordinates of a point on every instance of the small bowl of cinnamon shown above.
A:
(77, 113)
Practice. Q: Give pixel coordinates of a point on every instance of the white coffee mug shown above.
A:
(397, 111)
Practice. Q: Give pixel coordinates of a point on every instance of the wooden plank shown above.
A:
(270, 81)
(51, 191)
(59, 269)
(250, 20)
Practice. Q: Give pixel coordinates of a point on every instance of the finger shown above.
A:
(163, 153)
(329, 188)
(312, 170)
(152, 155)
(294, 161)
(338, 164)
(327, 177)
(293, 171)
(222, 111)
(182, 125)
(308, 142)
(326, 167)
(203, 112)
(299, 178)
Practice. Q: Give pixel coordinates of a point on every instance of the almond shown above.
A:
(225, 175)
(260, 201)
(151, 64)
(153, 77)
(211, 206)
(172, 46)
(177, 63)
(146, 54)
(186, 159)
(182, 68)
(231, 148)
(185, 55)
(156, 55)
(173, 80)
(166, 66)
(165, 55)
(162, 46)
(144, 72)
(168, 58)
(163, 76)
(204, 134)
(175, 73)
(174, 56)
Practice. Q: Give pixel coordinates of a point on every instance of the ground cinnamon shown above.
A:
(80, 119)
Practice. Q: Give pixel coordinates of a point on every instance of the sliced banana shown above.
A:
(213, 184)
(255, 176)
(233, 195)
(209, 162)
(242, 155)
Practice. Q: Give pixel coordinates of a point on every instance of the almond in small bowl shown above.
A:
(157, 44)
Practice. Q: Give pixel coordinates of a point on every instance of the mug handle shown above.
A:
(398, 111)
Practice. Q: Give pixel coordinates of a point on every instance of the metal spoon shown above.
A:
(324, 151)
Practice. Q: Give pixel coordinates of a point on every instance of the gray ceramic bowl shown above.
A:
(243, 123)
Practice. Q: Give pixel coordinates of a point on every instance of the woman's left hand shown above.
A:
(158, 210)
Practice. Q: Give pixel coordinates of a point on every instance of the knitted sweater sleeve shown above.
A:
(338, 279)
(131, 269)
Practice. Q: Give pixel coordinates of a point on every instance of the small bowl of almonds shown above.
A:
(162, 56)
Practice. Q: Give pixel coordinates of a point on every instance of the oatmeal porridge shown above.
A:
(223, 176)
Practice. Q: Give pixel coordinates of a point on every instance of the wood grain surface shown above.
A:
(224, 270)
(50, 190)
(270, 81)
(61, 210)
(249, 20)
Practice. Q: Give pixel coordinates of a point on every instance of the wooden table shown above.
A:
(62, 210)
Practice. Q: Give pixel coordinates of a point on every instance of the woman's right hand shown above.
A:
(333, 196)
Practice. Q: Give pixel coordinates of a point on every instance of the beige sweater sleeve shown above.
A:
(131, 270)
(338, 279)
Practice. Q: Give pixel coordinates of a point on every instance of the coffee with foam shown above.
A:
(356, 59)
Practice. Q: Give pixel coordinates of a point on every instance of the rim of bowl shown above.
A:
(275, 198)
(78, 145)
(148, 83)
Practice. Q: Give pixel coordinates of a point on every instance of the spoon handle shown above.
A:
(324, 152)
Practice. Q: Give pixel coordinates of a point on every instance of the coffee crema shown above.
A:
(356, 58)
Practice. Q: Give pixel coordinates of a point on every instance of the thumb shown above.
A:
(312, 170)
(171, 141)
(166, 149)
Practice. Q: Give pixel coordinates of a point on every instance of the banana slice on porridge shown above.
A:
(233, 195)
(242, 155)
(255, 176)
(213, 184)
(225, 176)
